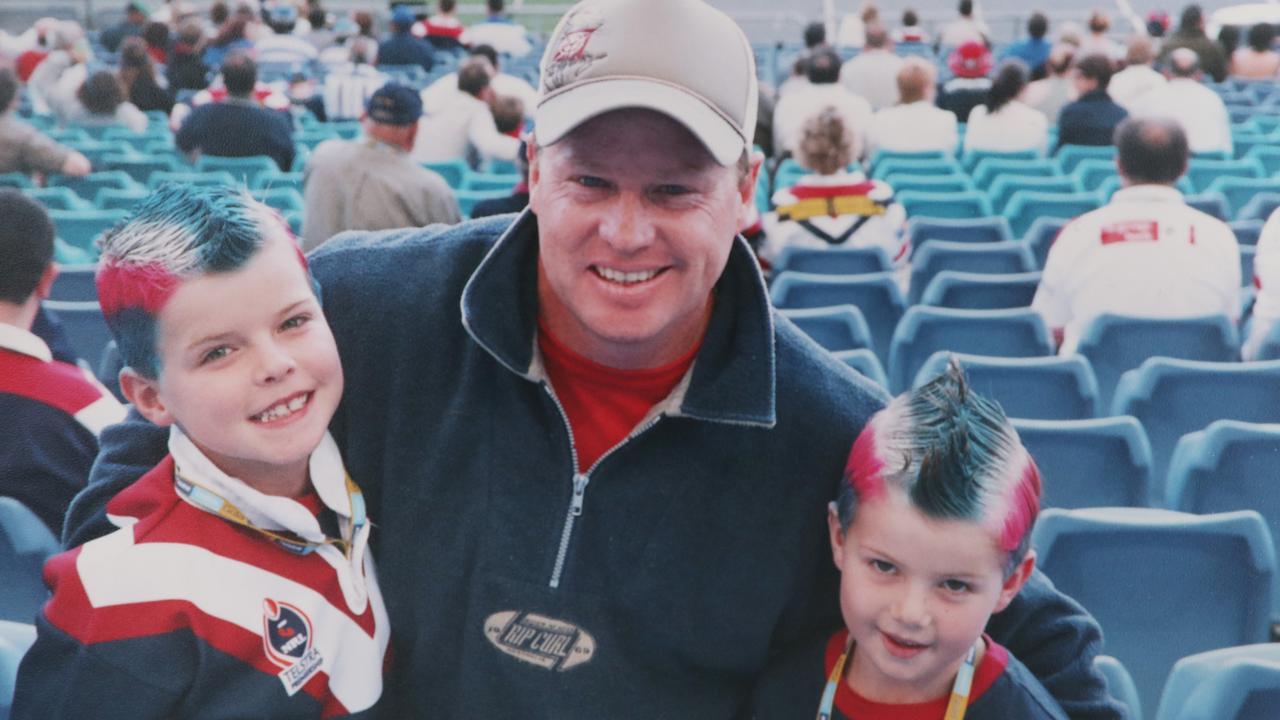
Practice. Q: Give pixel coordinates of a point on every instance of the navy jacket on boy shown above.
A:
(663, 583)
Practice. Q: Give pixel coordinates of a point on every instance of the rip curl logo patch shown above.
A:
(572, 56)
(539, 640)
(287, 640)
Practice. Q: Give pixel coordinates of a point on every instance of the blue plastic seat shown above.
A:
(75, 282)
(1041, 388)
(140, 167)
(1119, 684)
(1229, 465)
(974, 230)
(1162, 585)
(1026, 206)
(930, 183)
(81, 228)
(1092, 172)
(925, 330)
(1040, 236)
(865, 362)
(489, 181)
(277, 180)
(1247, 255)
(1239, 683)
(981, 291)
(57, 198)
(1247, 232)
(1116, 344)
(1174, 397)
(875, 294)
(1004, 187)
(15, 180)
(936, 256)
(1267, 155)
(985, 166)
(1238, 191)
(453, 171)
(880, 157)
(245, 170)
(280, 198)
(1090, 463)
(955, 205)
(467, 199)
(200, 179)
(1069, 156)
(915, 166)
(835, 260)
(1203, 171)
(120, 198)
(88, 186)
(1260, 207)
(1210, 203)
(25, 543)
(841, 327)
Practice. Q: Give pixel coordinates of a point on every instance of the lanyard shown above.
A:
(211, 502)
(956, 706)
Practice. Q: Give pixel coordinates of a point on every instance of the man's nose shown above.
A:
(628, 225)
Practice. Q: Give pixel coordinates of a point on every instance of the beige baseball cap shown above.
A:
(682, 58)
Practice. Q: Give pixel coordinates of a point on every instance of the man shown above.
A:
(238, 126)
(347, 89)
(965, 28)
(371, 183)
(914, 124)
(1138, 77)
(970, 63)
(53, 411)
(1201, 112)
(1266, 280)
(25, 149)
(440, 93)
(824, 90)
(1144, 253)
(444, 30)
(597, 459)
(463, 126)
(499, 31)
(1034, 50)
(872, 74)
(400, 47)
(1190, 34)
(135, 18)
(1093, 117)
(282, 45)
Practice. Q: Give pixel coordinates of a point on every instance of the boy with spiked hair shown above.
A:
(239, 583)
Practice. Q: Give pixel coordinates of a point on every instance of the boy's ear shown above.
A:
(1016, 580)
(145, 396)
(837, 535)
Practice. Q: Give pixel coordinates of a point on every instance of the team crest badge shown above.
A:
(573, 54)
(288, 642)
(539, 640)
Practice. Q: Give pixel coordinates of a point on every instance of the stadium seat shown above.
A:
(1116, 344)
(453, 172)
(1174, 397)
(25, 543)
(1026, 206)
(1210, 203)
(1268, 156)
(1260, 207)
(980, 291)
(313, 136)
(1247, 233)
(88, 186)
(1119, 684)
(1092, 172)
(81, 227)
(841, 327)
(1239, 683)
(1069, 156)
(139, 167)
(1202, 171)
(15, 180)
(880, 157)
(244, 170)
(75, 282)
(1040, 388)
(913, 166)
(1238, 191)
(281, 198)
(788, 174)
(930, 184)
(57, 198)
(1002, 190)
(15, 639)
(1090, 463)
(988, 171)
(1040, 236)
(84, 325)
(938, 255)
(487, 181)
(925, 330)
(277, 180)
(954, 205)
(972, 159)
(201, 179)
(1247, 255)
(877, 295)
(120, 199)
(1162, 585)
(865, 362)
(970, 230)
(467, 199)
(836, 260)
(65, 254)
(1229, 465)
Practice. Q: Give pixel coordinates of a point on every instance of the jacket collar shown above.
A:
(732, 379)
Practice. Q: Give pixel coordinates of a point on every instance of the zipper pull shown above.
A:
(579, 494)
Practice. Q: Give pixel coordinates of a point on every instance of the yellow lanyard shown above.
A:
(956, 706)
(211, 502)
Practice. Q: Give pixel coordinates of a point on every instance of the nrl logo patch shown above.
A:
(287, 640)
(539, 640)
(572, 57)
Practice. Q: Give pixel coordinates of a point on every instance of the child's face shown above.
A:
(916, 594)
(248, 366)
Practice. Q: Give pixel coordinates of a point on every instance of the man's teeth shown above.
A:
(625, 277)
(283, 409)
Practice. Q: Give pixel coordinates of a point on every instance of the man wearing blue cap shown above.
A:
(401, 47)
(370, 183)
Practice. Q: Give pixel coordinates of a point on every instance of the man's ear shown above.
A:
(45, 285)
(144, 393)
(747, 189)
(1013, 584)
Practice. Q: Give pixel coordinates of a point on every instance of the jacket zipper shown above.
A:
(580, 481)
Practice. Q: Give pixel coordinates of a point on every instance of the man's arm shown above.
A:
(1057, 640)
(126, 451)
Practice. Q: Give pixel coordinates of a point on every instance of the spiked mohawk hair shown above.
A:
(954, 455)
(177, 233)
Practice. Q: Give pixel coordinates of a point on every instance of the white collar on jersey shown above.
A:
(22, 341)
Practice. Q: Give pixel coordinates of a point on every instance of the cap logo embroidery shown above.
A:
(539, 640)
(287, 640)
(571, 57)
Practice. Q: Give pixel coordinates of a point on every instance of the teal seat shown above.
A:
(876, 295)
(245, 170)
(972, 158)
(88, 186)
(488, 181)
(1119, 684)
(138, 167)
(57, 198)
(1260, 207)
(120, 199)
(467, 199)
(1203, 171)
(1238, 191)
(82, 227)
(1238, 683)
(1005, 186)
(981, 291)
(1092, 172)
(840, 327)
(26, 542)
(938, 255)
(975, 230)
(966, 205)
(866, 363)
(925, 330)
(1041, 388)
(1068, 156)
(907, 166)
(275, 180)
(1040, 236)
(1104, 462)
(454, 172)
(987, 170)
(282, 198)
(201, 179)
(15, 180)
(835, 260)
(1268, 156)
(75, 282)
(926, 183)
(1026, 206)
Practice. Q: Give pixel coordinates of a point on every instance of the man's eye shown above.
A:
(215, 354)
(591, 181)
(673, 190)
(956, 586)
(882, 566)
(296, 321)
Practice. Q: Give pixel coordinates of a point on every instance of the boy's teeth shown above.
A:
(625, 277)
(278, 411)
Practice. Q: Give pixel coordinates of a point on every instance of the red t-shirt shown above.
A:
(604, 404)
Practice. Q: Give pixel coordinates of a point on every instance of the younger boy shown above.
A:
(239, 583)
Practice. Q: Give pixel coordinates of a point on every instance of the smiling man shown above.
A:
(599, 459)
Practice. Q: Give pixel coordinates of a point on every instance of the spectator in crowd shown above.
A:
(508, 114)
(231, 37)
(443, 29)
(1138, 77)
(517, 200)
(1109, 260)
(99, 102)
(371, 183)
(1097, 42)
(463, 127)
(852, 31)
(872, 74)
(34, 46)
(400, 47)
(1257, 60)
(835, 206)
(440, 92)
(1034, 50)
(219, 14)
(186, 69)
(1266, 281)
(578, 385)
(1201, 113)
(345, 33)
(794, 109)
(815, 36)
(969, 85)
(965, 28)
(1056, 90)
(1093, 117)
(1228, 40)
(910, 32)
(138, 77)
(23, 148)
(798, 79)
(1190, 34)
(156, 36)
(499, 31)
(62, 71)
(1003, 123)
(53, 410)
(135, 18)
(347, 88)
(238, 126)
(282, 45)
(321, 35)
(915, 124)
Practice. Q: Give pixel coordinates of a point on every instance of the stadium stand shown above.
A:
(1038, 388)
(1239, 683)
(980, 291)
(1090, 463)
(841, 327)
